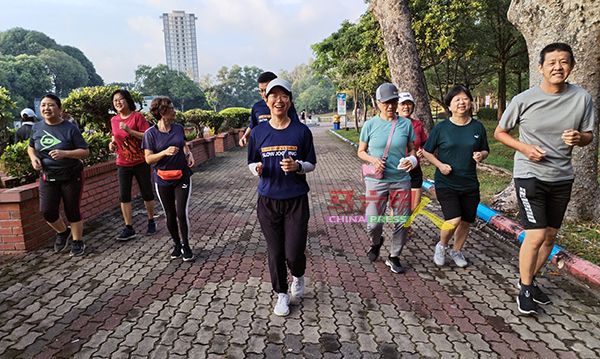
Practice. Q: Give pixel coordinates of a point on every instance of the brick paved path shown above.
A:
(129, 300)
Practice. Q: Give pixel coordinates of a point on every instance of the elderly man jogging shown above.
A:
(553, 118)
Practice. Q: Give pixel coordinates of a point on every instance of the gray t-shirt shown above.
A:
(542, 119)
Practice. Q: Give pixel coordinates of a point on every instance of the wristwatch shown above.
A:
(299, 170)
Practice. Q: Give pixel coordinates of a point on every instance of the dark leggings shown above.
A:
(175, 200)
(70, 191)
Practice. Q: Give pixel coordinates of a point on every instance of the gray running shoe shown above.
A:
(439, 257)
(459, 259)
(282, 307)
(298, 287)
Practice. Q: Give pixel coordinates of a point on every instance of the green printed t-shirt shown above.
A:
(62, 136)
(456, 145)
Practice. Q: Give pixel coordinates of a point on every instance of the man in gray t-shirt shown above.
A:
(553, 118)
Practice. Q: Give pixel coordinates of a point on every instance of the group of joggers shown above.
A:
(552, 118)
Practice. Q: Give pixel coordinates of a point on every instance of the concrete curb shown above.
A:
(564, 260)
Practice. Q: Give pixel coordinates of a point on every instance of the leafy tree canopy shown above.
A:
(162, 81)
(66, 67)
(24, 76)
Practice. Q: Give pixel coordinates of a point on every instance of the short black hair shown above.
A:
(557, 46)
(266, 77)
(455, 91)
(53, 97)
(127, 97)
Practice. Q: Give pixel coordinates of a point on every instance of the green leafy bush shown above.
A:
(98, 145)
(16, 163)
(92, 105)
(191, 136)
(236, 117)
(487, 114)
(200, 118)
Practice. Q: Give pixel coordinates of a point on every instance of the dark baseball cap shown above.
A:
(386, 92)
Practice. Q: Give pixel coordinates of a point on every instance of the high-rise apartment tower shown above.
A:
(180, 42)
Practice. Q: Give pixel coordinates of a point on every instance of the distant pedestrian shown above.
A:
(128, 128)
(165, 146)
(553, 118)
(461, 143)
(281, 152)
(260, 111)
(56, 148)
(65, 116)
(358, 114)
(28, 119)
(384, 142)
(406, 106)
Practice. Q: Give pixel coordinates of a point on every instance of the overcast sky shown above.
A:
(119, 35)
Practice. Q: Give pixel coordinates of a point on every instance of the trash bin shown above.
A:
(336, 125)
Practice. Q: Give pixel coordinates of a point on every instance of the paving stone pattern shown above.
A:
(129, 300)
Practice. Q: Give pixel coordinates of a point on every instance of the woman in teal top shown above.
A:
(395, 182)
(461, 142)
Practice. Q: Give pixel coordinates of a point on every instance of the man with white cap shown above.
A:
(27, 121)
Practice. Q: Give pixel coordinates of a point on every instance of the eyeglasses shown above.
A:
(405, 104)
(284, 98)
(118, 99)
(392, 102)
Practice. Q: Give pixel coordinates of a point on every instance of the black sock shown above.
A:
(129, 226)
(525, 288)
(65, 232)
(151, 220)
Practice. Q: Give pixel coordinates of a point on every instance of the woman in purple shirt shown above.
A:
(165, 146)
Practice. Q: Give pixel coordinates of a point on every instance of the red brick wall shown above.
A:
(203, 149)
(22, 226)
(228, 140)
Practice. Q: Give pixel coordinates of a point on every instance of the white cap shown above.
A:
(27, 111)
(405, 96)
(281, 83)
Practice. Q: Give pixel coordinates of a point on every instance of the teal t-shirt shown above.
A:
(456, 145)
(375, 133)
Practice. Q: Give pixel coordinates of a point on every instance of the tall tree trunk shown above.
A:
(577, 23)
(399, 41)
(501, 89)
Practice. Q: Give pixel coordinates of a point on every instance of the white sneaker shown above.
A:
(459, 258)
(439, 257)
(282, 307)
(298, 287)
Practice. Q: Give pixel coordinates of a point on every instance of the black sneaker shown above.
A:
(128, 233)
(187, 253)
(538, 296)
(525, 303)
(394, 264)
(62, 239)
(373, 253)
(176, 251)
(77, 248)
(151, 228)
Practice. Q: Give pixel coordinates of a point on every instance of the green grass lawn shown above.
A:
(580, 238)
